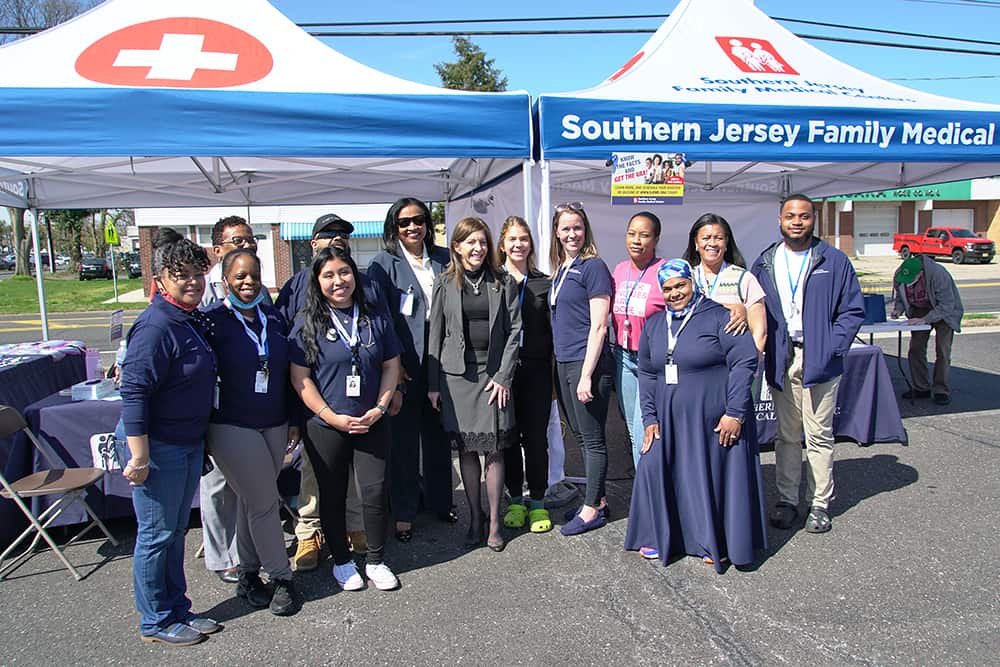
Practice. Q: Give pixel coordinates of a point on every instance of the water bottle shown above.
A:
(120, 354)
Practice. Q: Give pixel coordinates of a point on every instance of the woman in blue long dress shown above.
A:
(697, 486)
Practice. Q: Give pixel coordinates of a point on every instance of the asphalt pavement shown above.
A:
(907, 576)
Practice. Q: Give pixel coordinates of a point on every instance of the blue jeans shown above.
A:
(627, 388)
(162, 509)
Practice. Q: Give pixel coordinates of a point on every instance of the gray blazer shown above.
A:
(946, 303)
(446, 338)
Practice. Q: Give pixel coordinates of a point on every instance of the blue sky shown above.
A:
(558, 63)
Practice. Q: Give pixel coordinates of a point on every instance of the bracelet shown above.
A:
(381, 409)
(135, 467)
(325, 407)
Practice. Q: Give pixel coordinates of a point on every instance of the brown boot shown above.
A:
(307, 554)
(358, 541)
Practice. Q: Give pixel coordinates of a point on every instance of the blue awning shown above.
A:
(302, 231)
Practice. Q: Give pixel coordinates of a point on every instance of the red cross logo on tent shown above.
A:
(176, 53)
(755, 55)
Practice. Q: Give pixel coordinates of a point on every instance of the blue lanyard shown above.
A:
(703, 284)
(520, 298)
(628, 297)
(794, 287)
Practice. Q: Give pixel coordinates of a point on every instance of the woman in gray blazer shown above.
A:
(472, 351)
(405, 269)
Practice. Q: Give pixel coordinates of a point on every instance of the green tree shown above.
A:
(472, 71)
(69, 225)
(33, 14)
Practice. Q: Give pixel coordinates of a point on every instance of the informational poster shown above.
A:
(648, 179)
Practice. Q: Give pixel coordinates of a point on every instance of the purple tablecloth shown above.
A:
(867, 411)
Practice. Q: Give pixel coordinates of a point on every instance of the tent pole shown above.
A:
(544, 230)
(526, 185)
(39, 272)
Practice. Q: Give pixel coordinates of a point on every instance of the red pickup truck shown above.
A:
(960, 243)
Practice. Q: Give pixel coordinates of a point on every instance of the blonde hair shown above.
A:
(465, 228)
(557, 255)
(515, 221)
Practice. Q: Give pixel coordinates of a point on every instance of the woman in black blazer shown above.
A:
(406, 269)
(472, 351)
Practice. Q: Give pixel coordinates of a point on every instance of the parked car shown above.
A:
(131, 263)
(960, 243)
(7, 262)
(62, 261)
(95, 267)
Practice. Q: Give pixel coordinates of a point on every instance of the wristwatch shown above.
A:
(384, 410)
(741, 420)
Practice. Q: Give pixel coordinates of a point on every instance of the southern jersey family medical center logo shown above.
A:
(176, 53)
(755, 56)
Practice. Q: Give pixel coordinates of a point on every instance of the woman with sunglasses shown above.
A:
(579, 301)
(250, 429)
(345, 366)
(167, 388)
(406, 269)
(472, 348)
(532, 380)
(637, 298)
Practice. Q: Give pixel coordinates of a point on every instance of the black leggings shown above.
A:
(331, 452)
(532, 392)
(587, 420)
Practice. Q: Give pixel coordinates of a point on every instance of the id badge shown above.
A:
(670, 373)
(406, 307)
(520, 339)
(260, 382)
(215, 397)
(353, 386)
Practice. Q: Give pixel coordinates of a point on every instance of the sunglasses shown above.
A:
(333, 234)
(570, 206)
(419, 220)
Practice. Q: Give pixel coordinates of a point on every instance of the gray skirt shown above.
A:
(472, 424)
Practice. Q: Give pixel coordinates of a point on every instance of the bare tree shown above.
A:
(28, 14)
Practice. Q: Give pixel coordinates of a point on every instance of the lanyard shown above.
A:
(628, 296)
(794, 287)
(703, 283)
(671, 337)
(557, 287)
(520, 298)
(352, 340)
(259, 341)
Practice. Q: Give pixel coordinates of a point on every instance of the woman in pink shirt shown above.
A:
(637, 298)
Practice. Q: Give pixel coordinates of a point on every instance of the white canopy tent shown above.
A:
(759, 113)
(193, 103)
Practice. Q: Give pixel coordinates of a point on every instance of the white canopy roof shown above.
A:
(194, 103)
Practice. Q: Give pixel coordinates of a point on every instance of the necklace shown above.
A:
(476, 283)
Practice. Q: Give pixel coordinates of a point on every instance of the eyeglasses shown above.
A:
(241, 242)
(570, 206)
(419, 220)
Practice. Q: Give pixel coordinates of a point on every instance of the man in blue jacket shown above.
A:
(814, 310)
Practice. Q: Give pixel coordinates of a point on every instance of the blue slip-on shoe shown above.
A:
(603, 511)
(205, 626)
(578, 525)
(176, 634)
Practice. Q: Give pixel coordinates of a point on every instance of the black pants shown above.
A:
(418, 437)
(331, 452)
(532, 392)
(587, 420)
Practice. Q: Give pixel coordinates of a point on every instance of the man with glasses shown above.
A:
(329, 229)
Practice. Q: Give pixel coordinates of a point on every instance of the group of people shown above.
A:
(382, 374)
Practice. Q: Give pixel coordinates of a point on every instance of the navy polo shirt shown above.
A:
(584, 280)
(378, 343)
(239, 404)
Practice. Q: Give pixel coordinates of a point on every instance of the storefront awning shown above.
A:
(302, 231)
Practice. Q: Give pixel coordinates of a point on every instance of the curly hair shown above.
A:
(173, 252)
(224, 223)
(316, 311)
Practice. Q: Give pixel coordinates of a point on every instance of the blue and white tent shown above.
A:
(195, 103)
(760, 113)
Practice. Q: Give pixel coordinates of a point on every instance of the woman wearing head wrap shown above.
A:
(697, 486)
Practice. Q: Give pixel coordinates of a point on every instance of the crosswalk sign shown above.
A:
(111, 234)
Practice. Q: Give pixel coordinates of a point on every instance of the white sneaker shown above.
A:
(381, 576)
(348, 577)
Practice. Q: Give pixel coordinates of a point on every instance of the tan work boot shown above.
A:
(358, 541)
(307, 554)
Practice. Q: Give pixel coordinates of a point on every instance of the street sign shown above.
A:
(111, 233)
(116, 330)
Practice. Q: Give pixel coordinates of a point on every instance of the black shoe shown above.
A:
(451, 516)
(916, 393)
(942, 399)
(253, 590)
(284, 601)
(783, 515)
(230, 576)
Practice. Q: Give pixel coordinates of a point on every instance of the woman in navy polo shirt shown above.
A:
(167, 384)
(345, 366)
(579, 301)
(250, 430)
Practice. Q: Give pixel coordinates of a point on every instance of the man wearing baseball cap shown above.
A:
(926, 293)
(329, 229)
